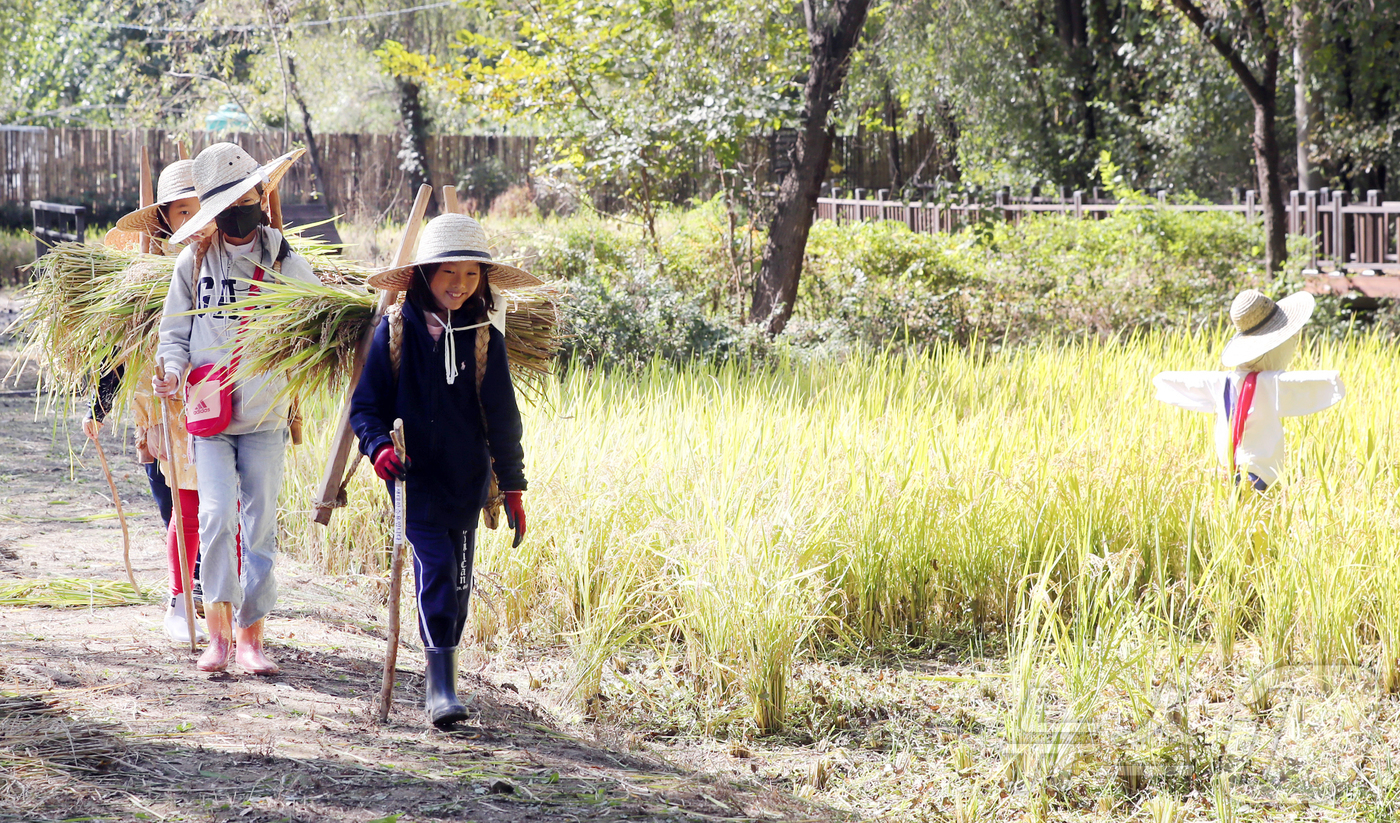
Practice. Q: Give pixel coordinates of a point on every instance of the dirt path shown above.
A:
(125, 728)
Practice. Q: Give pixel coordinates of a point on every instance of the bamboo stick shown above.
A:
(329, 489)
(121, 515)
(176, 510)
(391, 654)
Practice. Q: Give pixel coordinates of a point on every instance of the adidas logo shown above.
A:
(202, 408)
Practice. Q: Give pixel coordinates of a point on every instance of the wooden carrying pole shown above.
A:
(391, 653)
(274, 209)
(177, 518)
(449, 200)
(147, 195)
(328, 492)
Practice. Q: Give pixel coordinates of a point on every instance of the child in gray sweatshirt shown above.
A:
(240, 467)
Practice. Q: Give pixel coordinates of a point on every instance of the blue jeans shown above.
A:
(160, 491)
(234, 470)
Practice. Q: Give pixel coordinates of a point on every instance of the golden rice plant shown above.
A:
(905, 496)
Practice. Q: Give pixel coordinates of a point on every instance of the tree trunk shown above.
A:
(1305, 108)
(311, 147)
(1263, 93)
(832, 38)
(413, 156)
(1267, 168)
(892, 123)
(1073, 29)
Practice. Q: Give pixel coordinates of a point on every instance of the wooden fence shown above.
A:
(98, 167)
(1362, 237)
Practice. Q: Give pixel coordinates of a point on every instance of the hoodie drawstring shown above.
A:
(449, 347)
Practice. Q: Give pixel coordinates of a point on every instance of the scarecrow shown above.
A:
(1250, 400)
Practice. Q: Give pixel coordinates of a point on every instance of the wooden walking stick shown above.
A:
(391, 654)
(121, 515)
(328, 493)
(449, 200)
(178, 520)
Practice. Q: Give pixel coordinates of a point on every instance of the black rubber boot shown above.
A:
(441, 701)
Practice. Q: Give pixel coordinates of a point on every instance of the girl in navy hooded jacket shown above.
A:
(453, 433)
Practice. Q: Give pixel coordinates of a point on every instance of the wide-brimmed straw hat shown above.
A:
(223, 173)
(450, 238)
(176, 183)
(1263, 325)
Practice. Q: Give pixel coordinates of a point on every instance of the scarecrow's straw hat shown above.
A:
(176, 183)
(1262, 325)
(452, 238)
(223, 173)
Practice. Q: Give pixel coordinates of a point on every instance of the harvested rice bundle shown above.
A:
(89, 306)
(313, 331)
(69, 592)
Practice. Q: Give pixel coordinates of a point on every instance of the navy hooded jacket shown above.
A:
(442, 424)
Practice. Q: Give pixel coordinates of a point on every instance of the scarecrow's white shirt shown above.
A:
(1277, 394)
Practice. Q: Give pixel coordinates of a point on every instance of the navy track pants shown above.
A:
(442, 571)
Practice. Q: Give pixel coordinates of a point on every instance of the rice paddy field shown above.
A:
(956, 585)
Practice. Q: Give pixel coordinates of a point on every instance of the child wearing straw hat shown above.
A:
(438, 362)
(1250, 400)
(240, 457)
(175, 205)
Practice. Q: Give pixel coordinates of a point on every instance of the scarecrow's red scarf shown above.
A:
(1240, 414)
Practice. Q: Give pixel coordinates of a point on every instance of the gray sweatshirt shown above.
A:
(193, 340)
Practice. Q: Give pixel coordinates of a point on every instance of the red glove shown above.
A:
(515, 514)
(387, 464)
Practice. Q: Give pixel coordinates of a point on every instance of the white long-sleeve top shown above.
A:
(1277, 394)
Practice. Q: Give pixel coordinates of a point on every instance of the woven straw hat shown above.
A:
(223, 173)
(122, 240)
(176, 183)
(1262, 325)
(453, 238)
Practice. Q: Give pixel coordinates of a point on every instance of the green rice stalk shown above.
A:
(69, 593)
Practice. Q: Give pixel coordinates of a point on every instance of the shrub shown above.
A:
(513, 204)
(880, 284)
(484, 181)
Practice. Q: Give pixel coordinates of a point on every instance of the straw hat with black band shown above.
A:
(451, 238)
(223, 173)
(1263, 325)
(176, 183)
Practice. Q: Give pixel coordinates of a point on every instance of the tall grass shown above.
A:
(883, 501)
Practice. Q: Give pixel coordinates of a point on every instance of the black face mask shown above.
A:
(239, 221)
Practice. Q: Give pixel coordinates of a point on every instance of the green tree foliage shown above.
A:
(638, 97)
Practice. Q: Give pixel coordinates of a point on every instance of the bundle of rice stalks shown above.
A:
(69, 593)
(89, 307)
(311, 332)
(38, 729)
